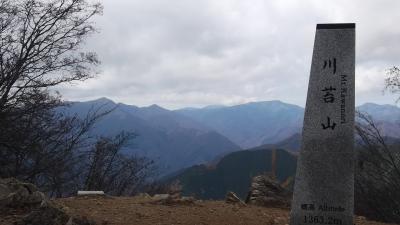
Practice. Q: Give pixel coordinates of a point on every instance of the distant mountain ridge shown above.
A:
(388, 113)
(251, 124)
(270, 122)
(172, 140)
(177, 139)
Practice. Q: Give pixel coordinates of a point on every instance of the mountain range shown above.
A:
(170, 139)
(177, 139)
(251, 124)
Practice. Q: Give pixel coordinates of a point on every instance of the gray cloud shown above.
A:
(194, 53)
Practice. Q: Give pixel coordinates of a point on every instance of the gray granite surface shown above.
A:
(324, 184)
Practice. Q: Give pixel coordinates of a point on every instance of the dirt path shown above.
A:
(139, 211)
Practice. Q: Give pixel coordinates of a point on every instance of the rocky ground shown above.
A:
(22, 204)
(146, 211)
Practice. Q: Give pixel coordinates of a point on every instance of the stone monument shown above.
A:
(324, 184)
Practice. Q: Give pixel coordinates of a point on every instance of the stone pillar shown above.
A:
(324, 184)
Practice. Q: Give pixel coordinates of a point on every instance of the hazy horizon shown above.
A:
(215, 105)
(197, 53)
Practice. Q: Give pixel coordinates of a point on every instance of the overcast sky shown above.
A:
(179, 53)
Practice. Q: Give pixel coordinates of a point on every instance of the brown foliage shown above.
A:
(377, 174)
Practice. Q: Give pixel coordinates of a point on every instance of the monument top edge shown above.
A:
(336, 26)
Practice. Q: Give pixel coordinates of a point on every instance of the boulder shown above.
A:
(161, 197)
(266, 191)
(14, 193)
(143, 195)
(232, 198)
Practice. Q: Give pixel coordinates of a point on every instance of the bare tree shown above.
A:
(45, 147)
(116, 173)
(392, 82)
(378, 173)
(40, 46)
